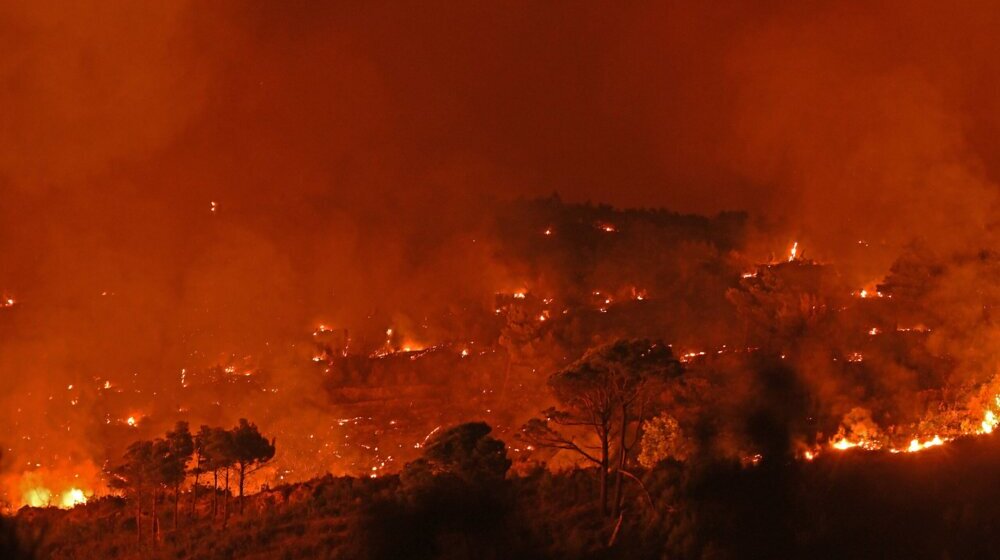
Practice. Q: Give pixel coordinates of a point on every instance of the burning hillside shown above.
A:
(872, 368)
(607, 258)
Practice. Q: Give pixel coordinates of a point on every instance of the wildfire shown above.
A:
(989, 422)
(688, 356)
(844, 444)
(916, 445)
(41, 496)
(793, 252)
(990, 418)
(7, 301)
(72, 497)
(870, 292)
(37, 497)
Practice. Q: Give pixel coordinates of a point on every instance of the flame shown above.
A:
(989, 422)
(793, 251)
(37, 497)
(72, 497)
(844, 444)
(870, 291)
(915, 444)
(688, 356)
(40, 496)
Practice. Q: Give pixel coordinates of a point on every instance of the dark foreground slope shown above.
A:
(939, 503)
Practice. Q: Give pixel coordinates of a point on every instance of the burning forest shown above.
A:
(308, 281)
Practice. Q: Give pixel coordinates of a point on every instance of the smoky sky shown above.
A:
(353, 150)
(844, 122)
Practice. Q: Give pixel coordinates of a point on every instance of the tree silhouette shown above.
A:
(219, 453)
(201, 462)
(607, 393)
(180, 447)
(133, 475)
(250, 451)
(468, 452)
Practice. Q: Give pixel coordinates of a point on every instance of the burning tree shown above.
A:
(607, 393)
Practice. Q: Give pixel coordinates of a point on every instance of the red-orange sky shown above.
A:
(353, 148)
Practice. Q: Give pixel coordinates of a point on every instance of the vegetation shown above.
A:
(459, 500)
(609, 392)
(150, 469)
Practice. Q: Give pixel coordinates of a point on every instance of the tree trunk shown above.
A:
(177, 503)
(243, 474)
(621, 464)
(194, 490)
(225, 507)
(138, 515)
(604, 476)
(154, 524)
(215, 494)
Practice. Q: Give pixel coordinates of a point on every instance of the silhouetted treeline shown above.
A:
(152, 469)
(460, 501)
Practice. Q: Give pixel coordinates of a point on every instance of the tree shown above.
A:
(468, 452)
(250, 451)
(201, 463)
(607, 393)
(180, 447)
(161, 473)
(219, 456)
(133, 474)
(780, 303)
(662, 439)
(453, 502)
